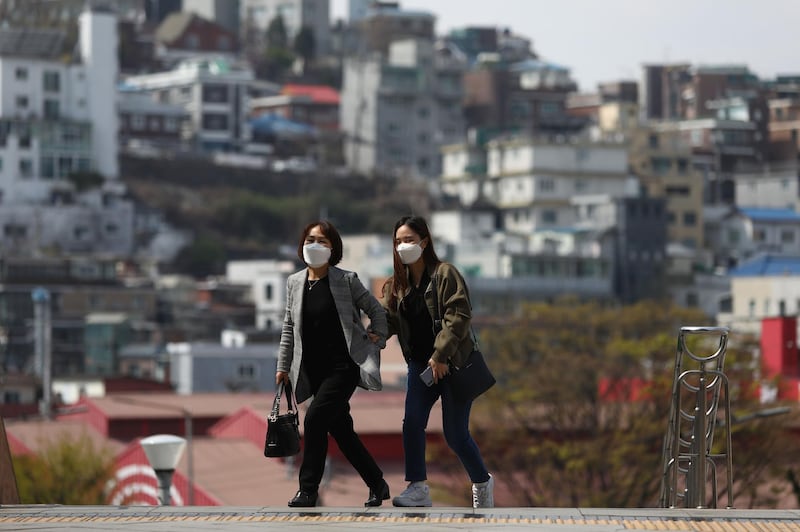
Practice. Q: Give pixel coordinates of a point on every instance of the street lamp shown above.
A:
(163, 452)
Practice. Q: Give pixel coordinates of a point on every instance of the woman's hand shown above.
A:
(281, 376)
(439, 369)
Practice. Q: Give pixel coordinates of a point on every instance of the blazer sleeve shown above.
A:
(365, 301)
(286, 345)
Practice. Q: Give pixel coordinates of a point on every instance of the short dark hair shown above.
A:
(331, 233)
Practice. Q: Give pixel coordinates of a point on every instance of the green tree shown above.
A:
(304, 44)
(85, 180)
(554, 431)
(204, 256)
(276, 33)
(68, 471)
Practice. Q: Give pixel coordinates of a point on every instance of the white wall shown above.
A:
(98, 46)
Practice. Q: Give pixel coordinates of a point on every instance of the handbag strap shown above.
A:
(276, 402)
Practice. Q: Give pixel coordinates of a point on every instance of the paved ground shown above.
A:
(169, 519)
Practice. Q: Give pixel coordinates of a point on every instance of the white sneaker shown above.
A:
(483, 494)
(416, 494)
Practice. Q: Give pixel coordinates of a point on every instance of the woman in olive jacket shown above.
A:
(409, 300)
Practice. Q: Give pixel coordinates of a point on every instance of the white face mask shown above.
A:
(316, 255)
(409, 253)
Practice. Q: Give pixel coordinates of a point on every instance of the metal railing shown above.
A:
(699, 388)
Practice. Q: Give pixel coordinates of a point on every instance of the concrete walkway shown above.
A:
(172, 518)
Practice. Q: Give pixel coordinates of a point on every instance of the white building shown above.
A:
(57, 117)
(767, 285)
(214, 91)
(534, 181)
(398, 112)
(267, 279)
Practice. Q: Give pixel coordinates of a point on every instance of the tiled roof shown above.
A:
(318, 93)
(34, 436)
(768, 265)
(25, 42)
(165, 405)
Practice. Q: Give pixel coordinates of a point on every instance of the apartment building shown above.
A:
(216, 94)
(397, 112)
(57, 117)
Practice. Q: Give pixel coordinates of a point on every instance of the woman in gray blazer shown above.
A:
(326, 351)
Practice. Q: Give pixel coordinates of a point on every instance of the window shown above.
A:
(64, 165)
(11, 397)
(751, 308)
(787, 236)
(683, 166)
(246, 371)
(21, 73)
(759, 235)
(21, 102)
(660, 165)
(546, 185)
(215, 93)
(689, 219)
(549, 217)
(137, 122)
(51, 109)
(215, 122)
(25, 167)
(170, 124)
(48, 168)
(51, 81)
(12, 230)
(653, 141)
(268, 292)
(677, 191)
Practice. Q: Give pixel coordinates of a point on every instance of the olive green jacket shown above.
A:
(454, 342)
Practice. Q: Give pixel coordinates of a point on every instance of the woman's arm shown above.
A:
(365, 301)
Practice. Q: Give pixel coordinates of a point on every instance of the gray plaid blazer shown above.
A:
(351, 298)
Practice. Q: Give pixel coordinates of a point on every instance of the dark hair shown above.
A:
(331, 233)
(429, 257)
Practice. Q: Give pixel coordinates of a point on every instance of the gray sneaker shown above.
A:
(483, 494)
(416, 494)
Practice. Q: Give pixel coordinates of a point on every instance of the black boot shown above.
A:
(377, 496)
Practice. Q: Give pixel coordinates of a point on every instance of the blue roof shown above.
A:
(768, 265)
(277, 124)
(762, 214)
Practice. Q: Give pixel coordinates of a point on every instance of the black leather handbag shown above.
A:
(474, 377)
(283, 430)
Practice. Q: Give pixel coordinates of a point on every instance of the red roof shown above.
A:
(318, 93)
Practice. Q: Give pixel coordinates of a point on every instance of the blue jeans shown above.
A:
(455, 421)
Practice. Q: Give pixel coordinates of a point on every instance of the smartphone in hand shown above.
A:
(427, 376)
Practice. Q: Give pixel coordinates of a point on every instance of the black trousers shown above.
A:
(329, 413)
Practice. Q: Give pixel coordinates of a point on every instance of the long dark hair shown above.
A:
(400, 277)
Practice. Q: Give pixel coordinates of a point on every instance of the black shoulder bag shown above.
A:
(283, 430)
(474, 377)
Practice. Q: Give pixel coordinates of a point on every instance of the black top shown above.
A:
(324, 346)
(415, 311)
